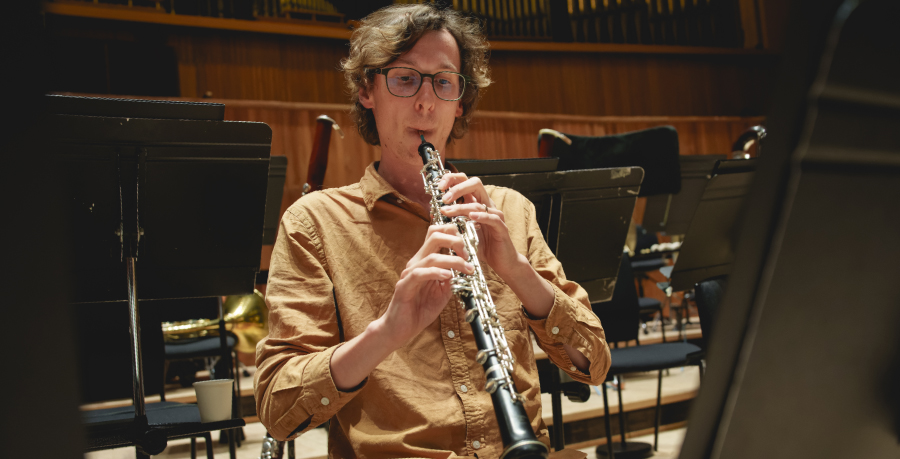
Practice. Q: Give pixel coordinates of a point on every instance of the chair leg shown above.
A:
(658, 412)
(621, 413)
(209, 446)
(662, 324)
(232, 452)
(606, 421)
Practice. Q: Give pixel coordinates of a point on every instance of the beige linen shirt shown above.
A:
(338, 256)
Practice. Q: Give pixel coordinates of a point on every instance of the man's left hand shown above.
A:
(495, 247)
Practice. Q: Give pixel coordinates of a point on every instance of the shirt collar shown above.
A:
(375, 187)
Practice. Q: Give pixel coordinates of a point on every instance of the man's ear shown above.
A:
(365, 98)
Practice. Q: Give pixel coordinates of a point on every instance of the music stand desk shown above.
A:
(584, 216)
(167, 192)
(708, 247)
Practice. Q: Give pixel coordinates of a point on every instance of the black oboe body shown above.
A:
(494, 354)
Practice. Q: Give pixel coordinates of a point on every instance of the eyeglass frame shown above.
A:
(384, 71)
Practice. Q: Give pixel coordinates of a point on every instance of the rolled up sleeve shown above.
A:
(571, 320)
(293, 385)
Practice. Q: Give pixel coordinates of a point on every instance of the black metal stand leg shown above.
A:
(658, 412)
(609, 438)
(209, 446)
(291, 449)
(558, 439)
(193, 447)
(232, 453)
(621, 412)
(135, 329)
(662, 324)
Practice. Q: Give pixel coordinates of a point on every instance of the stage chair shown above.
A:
(621, 321)
(105, 375)
(218, 349)
(641, 265)
(708, 295)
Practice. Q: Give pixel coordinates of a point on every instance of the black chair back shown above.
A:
(708, 295)
(620, 316)
(655, 150)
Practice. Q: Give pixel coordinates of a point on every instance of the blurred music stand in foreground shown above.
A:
(804, 360)
(584, 216)
(146, 184)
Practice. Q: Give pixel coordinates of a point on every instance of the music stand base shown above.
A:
(630, 450)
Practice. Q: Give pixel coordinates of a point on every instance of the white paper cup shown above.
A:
(214, 399)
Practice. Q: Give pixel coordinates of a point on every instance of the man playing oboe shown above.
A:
(364, 329)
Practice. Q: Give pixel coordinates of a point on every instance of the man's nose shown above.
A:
(426, 95)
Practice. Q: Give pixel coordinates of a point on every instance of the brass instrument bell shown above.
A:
(245, 315)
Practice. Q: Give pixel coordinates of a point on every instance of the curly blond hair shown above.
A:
(387, 33)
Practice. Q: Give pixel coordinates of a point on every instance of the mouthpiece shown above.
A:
(423, 149)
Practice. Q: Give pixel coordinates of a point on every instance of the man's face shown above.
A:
(399, 119)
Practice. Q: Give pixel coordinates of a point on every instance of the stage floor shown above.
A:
(680, 386)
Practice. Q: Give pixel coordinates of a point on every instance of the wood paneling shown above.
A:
(629, 84)
(564, 80)
(260, 67)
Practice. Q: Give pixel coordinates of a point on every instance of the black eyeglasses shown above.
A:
(405, 82)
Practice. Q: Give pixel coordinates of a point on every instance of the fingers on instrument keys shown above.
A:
(473, 210)
(458, 184)
(434, 253)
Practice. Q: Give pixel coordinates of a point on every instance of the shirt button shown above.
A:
(399, 201)
(476, 444)
(451, 334)
(555, 330)
(325, 400)
(572, 368)
(464, 388)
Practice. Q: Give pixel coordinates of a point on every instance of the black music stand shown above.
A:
(584, 216)
(708, 247)
(804, 359)
(165, 191)
(671, 213)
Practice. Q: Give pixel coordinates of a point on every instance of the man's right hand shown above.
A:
(424, 286)
(419, 297)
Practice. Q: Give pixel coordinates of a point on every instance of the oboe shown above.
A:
(494, 354)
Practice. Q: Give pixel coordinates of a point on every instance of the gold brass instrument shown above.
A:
(245, 315)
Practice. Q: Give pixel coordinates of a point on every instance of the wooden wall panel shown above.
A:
(260, 67)
(301, 69)
(629, 84)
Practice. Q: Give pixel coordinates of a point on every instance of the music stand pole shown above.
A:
(135, 329)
